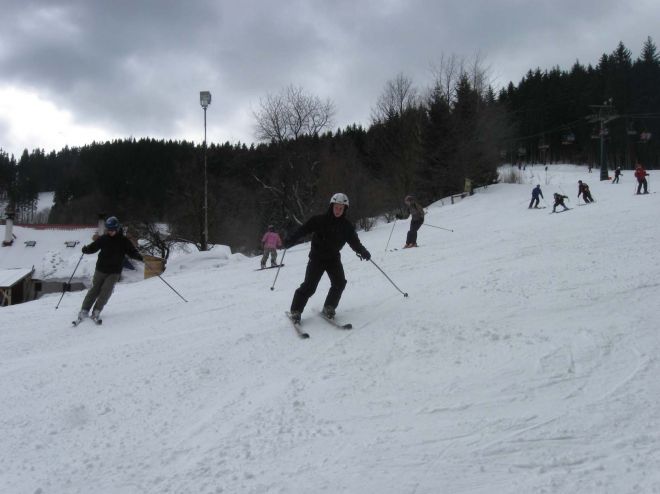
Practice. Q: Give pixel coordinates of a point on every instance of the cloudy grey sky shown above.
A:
(75, 71)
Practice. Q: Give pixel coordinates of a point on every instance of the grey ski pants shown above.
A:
(273, 257)
(99, 293)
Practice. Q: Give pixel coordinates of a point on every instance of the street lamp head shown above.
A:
(204, 99)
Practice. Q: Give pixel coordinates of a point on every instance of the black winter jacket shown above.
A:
(329, 234)
(113, 249)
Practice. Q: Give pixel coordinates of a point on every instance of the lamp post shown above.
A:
(205, 101)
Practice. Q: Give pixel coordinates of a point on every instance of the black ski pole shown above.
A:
(439, 227)
(68, 284)
(278, 270)
(388, 239)
(161, 279)
(388, 278)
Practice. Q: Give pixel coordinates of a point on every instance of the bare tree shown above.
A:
(446, 76)
(292, 187)
(156, 240)
(479, 75)
(398, 96)
(292, 113)
(396, 133)
(451, 69)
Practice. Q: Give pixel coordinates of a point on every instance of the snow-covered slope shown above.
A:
(525, 359)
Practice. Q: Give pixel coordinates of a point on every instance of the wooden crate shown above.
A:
(153, 266)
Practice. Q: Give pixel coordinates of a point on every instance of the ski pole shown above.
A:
(278, 269)
(439, 227)
(161, 279)
(388, 239)
(388, 278)
(68, 283)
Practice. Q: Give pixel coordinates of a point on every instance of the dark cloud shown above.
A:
(136, 68)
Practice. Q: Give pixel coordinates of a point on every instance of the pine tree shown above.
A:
(649, 53)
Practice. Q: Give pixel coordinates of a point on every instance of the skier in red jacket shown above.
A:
(641, 175)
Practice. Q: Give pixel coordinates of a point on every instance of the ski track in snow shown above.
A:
(524, 360)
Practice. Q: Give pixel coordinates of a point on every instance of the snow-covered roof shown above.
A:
(9, 277)
(50, 256)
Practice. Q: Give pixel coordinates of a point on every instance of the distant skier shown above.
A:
(330, 231)
(416, 220)
(270, 242)
(617, 174)
(536, 192)
(583, 189)
(113, 246)
(559, 201)
(640, 175)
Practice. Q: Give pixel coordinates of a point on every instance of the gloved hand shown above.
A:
(364, 254)
(84, 249)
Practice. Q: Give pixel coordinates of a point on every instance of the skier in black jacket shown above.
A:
(330, 231)
(113, 246)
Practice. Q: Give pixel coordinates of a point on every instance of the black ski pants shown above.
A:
(313, 274)
(554, 207)
(642, 183)
(415, 225)
(587, 197)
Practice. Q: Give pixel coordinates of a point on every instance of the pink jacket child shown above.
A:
(271, 241)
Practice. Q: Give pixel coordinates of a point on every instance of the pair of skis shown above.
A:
(404, 248)
(270, 267)
(301, 332)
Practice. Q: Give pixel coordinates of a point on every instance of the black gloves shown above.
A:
(84, 250)
(364, 254)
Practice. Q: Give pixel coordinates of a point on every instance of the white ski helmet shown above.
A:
(339, 198)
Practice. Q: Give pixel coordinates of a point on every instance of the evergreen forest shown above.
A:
(425, 143)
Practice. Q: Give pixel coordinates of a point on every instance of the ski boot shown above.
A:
(295, 316)
(328, 312)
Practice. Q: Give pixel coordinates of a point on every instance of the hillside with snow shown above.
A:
(525, 359)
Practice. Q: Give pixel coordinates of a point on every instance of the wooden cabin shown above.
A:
(16, 286)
